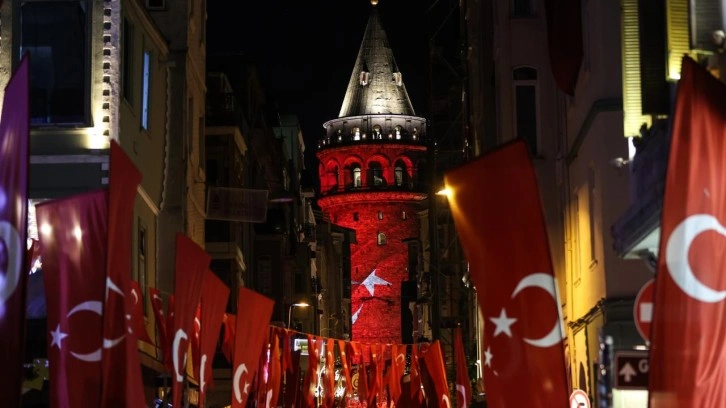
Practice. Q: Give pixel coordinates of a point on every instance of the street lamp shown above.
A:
(289, 311)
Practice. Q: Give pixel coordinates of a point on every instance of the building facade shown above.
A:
(371, 161)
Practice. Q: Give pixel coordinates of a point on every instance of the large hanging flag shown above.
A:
(275, 376)
(229, 322)
(213, 303)
(122, 386)
(344, 359)
(498, 215)
(395, 371)
(688, 348)
(436, 372)
(564, 35)
(463, 385)
(14, 135)
(191, 264)
(137, 313)
(73, 237)
(253, 319)
(157, 304)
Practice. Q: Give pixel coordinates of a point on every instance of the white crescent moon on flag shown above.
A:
(90, 306)
(677, 248)
(401, 356)
(269, 399)
(135, 295)
(547, 283)
(202, 366)
(180, 334)
(9, 281)
(445, 400)
(242, 368)
(460, 389)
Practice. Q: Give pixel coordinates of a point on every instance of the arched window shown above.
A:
(400, 173)
(399, 176)
(356, 133)
(356, 176)
(381, 238)
(377, 132)
(398, 132)
(375, 178)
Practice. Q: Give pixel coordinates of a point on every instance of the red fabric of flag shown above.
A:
(14, 136)
(73, 237)
(498, 215)
(191, 264)
(310, 381)
(229, 322)
(292, 380)
(564, 35)
(137, 313)
(329, 393)
(275, 376)
(122, 386)
(196, 338)
(168, 362)
(434, 360)
(215, 295)
(688, 347)
(286, 349)
(253, 320)
(346, 365)
(395, 371)
(463, 385)
(157, 304)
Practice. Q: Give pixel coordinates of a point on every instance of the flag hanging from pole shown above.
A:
(213, 302)
(498, 215)
(688, 348)
(191, 264)
(122, 386)
(137, 313)
(14, 135)
(463, 385)
(73, 238)
(253, 320)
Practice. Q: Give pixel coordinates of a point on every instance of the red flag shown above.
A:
(253, 319)
(434, 361)
(73, 234)
(157, 304)
(373, 384)
(310, 382)
(14, 135)
(688, 348)
(395, 371)
(329, 392)
(286, 350)
(229, 322)
(191, 263)
(215, 295)
(564, 35)
(291, 381)
(121, 365)
(137, 313)
(275, 378)
(463, 385)
(168, 363)
(196, 338)
(416, 396)
(346, 365)
(498, 215)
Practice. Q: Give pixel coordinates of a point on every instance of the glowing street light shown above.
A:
(289, 311)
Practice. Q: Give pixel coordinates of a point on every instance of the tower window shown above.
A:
(355, 216)
(380, 215)
(356, 133)
(356, 177)
(403, 215)
(398, 132)
(398, 173)
(376, 175)
(381, 238)
(377, 132)
(364, 77)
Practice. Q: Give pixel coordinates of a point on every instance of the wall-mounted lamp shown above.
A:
(289, 311)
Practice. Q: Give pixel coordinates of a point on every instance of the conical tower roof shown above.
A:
(376, 85)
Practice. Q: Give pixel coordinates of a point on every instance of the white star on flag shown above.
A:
(355, 315)
(503, 324)
(58, 336)
(372, 280)
(488, 357)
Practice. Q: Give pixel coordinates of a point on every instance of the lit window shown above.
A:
(403, 215)
(377, 132)
(356, 133)
(398, 132)
(145, 91)
(376, 175)
(398, 172)
(381, 238)
(356, 177)
(380, 215)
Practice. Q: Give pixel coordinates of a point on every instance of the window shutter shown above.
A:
(653, 85)
(678, 36)
(632, 111)
(706, 17)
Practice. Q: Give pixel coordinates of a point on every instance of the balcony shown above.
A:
(637, 233)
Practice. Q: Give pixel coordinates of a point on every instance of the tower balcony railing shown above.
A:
(411, 186)
(374, 129)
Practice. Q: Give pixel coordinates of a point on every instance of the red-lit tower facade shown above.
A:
(372, 181)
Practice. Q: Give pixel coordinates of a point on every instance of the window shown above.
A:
(380, 215)
(377, 132)
(355, 216)
(155, 4)
(398, 172)
(356, 176)
(381, 238)
(376, 175)
(522, 8)
(54, 33)
(403, 215)
(356, 133)
(127, 64)
(142, 263)
(526, 107)
(398, 132)
(145, 90)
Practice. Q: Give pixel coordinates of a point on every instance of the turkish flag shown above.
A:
(688, 347)
(275, 376)
(253, 320)
(14, 135)
(195, 340)
(329, 393)
(564, 36)
(157, 304)
(191, 264)
(215, 295)
(286, 350)
(73, 237)
(434, 361)
(416, 396)
(346, 365)
(395, 371)
(373, 384)
(310, 382)
(122, 386)
(138, 322)
(168, 363)
(292, 380)
(463, 385)
(229, 322)
(498, 215)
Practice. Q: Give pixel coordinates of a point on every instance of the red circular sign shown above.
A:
(643, 309)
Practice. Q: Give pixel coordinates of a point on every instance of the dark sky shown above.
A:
(306, 50)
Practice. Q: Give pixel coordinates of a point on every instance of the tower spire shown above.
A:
(376, 85)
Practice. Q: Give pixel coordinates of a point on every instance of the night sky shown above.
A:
(306, 50)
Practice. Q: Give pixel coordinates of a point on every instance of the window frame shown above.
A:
(146, 88)
(516, 83)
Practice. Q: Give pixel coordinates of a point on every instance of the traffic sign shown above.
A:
(643, 310)
(579, 399)
(631, 370)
